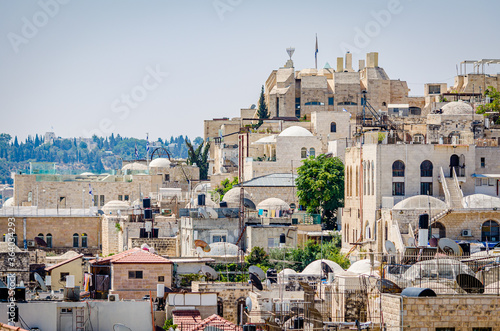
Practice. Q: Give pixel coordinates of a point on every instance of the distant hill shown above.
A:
(96, 154)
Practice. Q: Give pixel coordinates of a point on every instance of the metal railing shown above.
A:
(447, 198)
(457, 185)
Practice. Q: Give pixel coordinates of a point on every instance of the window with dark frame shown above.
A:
(135, 274)
(483, 162)
(161, 278)
(63, 276)
(398, 188)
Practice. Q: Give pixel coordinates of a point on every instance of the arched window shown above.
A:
(367, 231)
(49, 240)
(40, 235)
(386, 234)
(426, 169)
(240, 305)
(373, 178)
(303, 152)
(333, 127)
(76, 240)
(438, 230)
(490, 231)
(398, 169)
(84, 240)
(312, 152)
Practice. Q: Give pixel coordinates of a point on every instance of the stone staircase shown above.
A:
(455, 194)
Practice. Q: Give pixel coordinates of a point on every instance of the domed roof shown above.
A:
(114, 205)
(86, 174)
(457, 108)
(296, 131)
(481, 201)
(421, 202)
(363, 267)
(9, 202)
(314, 268)
(160, 162)
(232, 197)
(135, 166)
(273, 203)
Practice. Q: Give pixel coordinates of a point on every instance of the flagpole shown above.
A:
(147, 150)
(316, 53)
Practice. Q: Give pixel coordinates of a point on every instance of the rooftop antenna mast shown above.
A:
(290, 50)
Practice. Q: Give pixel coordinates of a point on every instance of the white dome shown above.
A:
(160, 162)
(481, 201)
(9, 202)
(223, 249)
(273, 203)
(457, 108)
(363, 267)
(135, 166)
(314, 268)
(232, 197)
(86, 174)
(420, 202)
(296, 131)
(287, 271)
(114, 205)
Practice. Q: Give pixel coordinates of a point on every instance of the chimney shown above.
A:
(340, 64)
(372, 60)
(348, 62)
(361, 64)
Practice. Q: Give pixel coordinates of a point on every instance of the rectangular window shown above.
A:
(127, 197)
(101, 200)
(426, 188)
(434, 89)
(491, 181)
(272, 242)
(218, 238)
(63, 276)
(161, 278)
(75, 240)
(483, 162)
(398, 188)
(167, 177)
(135, 275)
(120, 197)
(330, 101)
(96, 201)
(481, 329)
(84, 241)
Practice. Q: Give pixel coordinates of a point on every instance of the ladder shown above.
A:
(80, 318)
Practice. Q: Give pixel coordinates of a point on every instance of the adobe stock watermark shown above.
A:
(30, 27)
(224, 6)
(123, 105)
(381, 19)
(11, 262)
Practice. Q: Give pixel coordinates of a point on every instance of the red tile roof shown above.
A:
(63, 262)
(134, 255)
(186, 317)
(218, 322)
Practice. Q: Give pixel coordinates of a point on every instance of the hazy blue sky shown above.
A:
(72, 66)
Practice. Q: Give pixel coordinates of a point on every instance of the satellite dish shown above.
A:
(209, 272)
(40, 242)
(40, 281)
(411, 242)
(257, 271)
(390, 247)
(249, 204)
(449, 246)
(433, 242)
(203, 213)
(256, 282)
(212, 213)
(121, 327)
(386, 286)
(470, 284)
(248, 303)
(203, 245)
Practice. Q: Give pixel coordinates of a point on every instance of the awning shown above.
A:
(486, 175)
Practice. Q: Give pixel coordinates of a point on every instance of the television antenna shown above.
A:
(290, 51)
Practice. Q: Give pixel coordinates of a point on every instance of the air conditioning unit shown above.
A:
(466, 233)
(113, 297)
(31, 243)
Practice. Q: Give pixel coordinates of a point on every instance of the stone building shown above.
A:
(70, 267)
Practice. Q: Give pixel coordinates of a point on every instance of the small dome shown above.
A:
(135, 166)
(160, 162)
(314, 268)
(232, 197)
(273, 203)
(296, 131)
(421, 202)
(86, 174)
(457, 108)
(114, 205)
(364, 267)
(9, 202)
(481, 201)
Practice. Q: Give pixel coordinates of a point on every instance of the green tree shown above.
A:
(262, 111)
(494, 104)
(320, 187)
(225, 186)
(257, 256)
(199, 156)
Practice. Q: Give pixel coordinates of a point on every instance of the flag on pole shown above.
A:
(316, 52)
(136, 152)
(147, 145)
(91, 194)
(343, 109)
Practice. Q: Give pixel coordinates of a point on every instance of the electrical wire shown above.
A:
(25, 324)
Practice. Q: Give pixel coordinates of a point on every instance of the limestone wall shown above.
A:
(163, 246)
